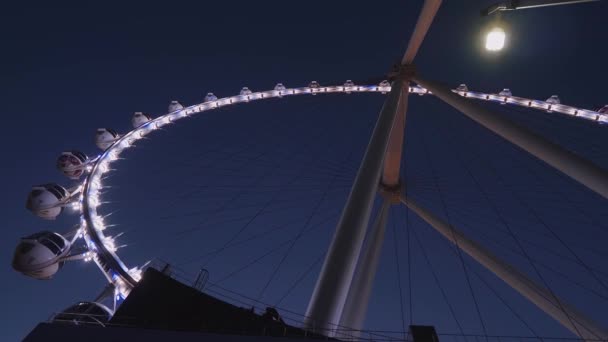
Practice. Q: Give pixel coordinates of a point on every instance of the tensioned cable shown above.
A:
(454, 237)
(251, 133)
(452, 249)
(329, 168)
(267, 204)
(219, 221)
(259, 179)
(275, 249)
(261, 235)
(553, 233)
(519, 244)
(500, 244)
(304, 275)
(477, 217)
(536, 161)
(271, 251)
(278, 125)
(308, 220)
(437, 282)
(537, 246)
(533, 212)
(300, 278)
(571, 203)
(377, 332)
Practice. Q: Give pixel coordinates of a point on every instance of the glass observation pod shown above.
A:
(348, 86)
(314, 87)
(505, 94)
(105, 137)
(280, 88)
(175, 106)
(244, 94)
(210, 97)
(552, 101)
(385, 87)
(40, 255)
(72, 163)
(47, 200)
(462, 88)
(245, 91)
(139, 119)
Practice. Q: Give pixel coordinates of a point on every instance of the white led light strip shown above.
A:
(102, 248)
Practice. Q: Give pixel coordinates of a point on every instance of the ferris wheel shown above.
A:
(42, 254)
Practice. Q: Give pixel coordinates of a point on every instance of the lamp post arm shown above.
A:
(526, 4)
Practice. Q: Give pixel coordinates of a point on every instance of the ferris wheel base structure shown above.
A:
(48, 200)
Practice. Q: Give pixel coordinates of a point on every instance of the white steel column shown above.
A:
(354, 312)
(394, 152)
(540, 296)
(327, 301)
(580, 169)
(392, 163)
(325, 306)
(425, 19)
(355, 307)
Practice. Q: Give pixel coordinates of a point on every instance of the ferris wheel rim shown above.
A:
(102, 246)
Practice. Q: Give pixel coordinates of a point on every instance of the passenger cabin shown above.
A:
(47, 200)
(39, 255)
(72, 163)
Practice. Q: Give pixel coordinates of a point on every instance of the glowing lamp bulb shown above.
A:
(495, 40)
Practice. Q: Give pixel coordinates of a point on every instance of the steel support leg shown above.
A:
(425, 19)
(581, 170)
(540, 296)
(325, 307)
(394, 152)
(355, 307)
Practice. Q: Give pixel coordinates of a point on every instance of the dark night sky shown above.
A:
(66, 70)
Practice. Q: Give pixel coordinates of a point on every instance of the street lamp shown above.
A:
(513, 5)
(496, 37)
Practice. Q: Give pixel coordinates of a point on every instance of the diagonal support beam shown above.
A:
(357, 301)
(425, 19)
(327, 301)
(392, 163)
(328, 298)
(394, 152)
(579, 169)
(562, 312)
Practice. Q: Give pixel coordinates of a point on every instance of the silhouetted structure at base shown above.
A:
(160, 309)
(160, 302)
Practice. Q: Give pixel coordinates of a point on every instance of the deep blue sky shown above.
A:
(67, 70)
